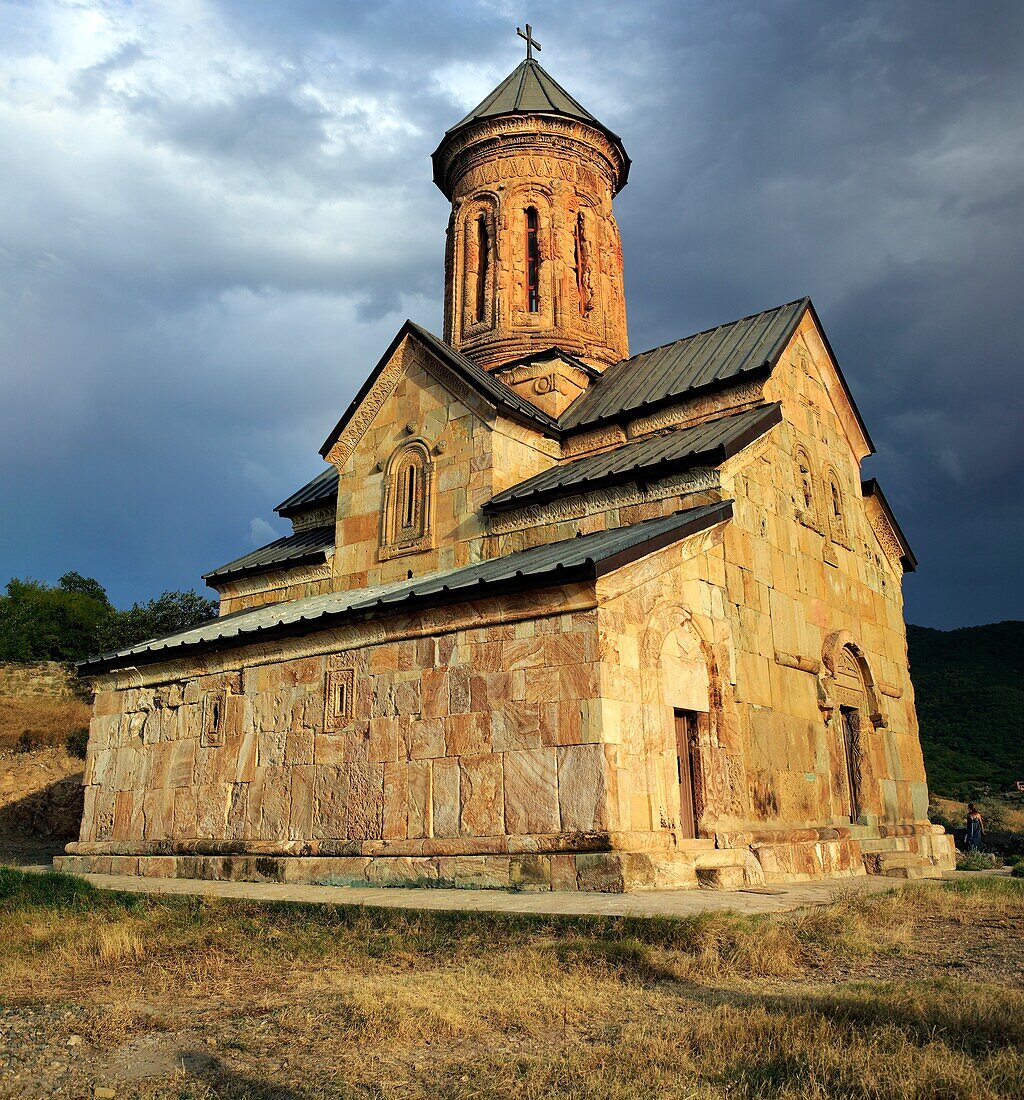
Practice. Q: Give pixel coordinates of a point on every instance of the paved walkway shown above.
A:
(662, 903)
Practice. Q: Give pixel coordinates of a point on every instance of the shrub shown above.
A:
(76, 742)
(1018, 870)
(29, 741)
(977, 861)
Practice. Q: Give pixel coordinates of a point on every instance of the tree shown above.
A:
(74, 619)
(39, 622)
(173, 611)
(84, 586)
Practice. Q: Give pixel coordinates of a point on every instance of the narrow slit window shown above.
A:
(838, 515)
(482, 266)
(532, 262)
(409, 509)
(580, 258)
(806, 487)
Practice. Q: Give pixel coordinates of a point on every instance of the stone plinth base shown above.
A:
(897, 851)
(612, 872)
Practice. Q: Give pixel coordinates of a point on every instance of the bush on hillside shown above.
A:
(977, 861)
(969, 689)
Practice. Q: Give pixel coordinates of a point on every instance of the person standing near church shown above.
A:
(975, 829)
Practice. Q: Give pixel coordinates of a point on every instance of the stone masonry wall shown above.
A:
(796, 578)
(473, 738)
(473, 455)
(42, 680)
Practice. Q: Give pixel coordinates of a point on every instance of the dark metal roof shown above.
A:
(565, 562)
(672, 371)
(323, 489)
(529, 90)
(491, 389)
(302, 548)
(644, 459)
(871, 488)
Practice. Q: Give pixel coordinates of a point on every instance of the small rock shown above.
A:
(74, 1040)
(102, 1093)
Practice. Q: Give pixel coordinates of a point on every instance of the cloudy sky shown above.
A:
(214, 214)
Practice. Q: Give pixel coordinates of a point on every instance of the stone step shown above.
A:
(720, 878)
(898, 864)
(722, 857)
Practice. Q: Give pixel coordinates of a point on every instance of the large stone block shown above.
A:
(330, 803)
(421, 798)
(481, 796)
(582, 788)
(445, 798)
(396, 800)
(365, 801)
(531, 792)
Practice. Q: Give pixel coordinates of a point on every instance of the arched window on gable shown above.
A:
(532, 260)
(406, 521)
(808, 511)
(836, 510)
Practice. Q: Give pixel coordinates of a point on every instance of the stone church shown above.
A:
(553, 616)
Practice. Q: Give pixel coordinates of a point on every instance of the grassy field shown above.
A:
(912, 994)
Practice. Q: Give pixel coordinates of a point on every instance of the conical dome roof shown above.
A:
(528, 90)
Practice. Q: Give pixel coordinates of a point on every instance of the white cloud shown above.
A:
(260, 532)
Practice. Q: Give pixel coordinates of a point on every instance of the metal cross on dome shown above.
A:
(531, 42)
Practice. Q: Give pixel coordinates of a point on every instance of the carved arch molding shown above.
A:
(718, 772)
(842, 654)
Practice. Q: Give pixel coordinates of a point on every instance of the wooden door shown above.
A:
(851, 747)
(686, 738)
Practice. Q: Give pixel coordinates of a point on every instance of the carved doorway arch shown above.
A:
(679, 692)
(853, 704)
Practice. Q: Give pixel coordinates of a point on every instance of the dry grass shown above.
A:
(336, 1001)
(48, 721)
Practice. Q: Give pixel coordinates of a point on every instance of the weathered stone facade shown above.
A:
(713, 691)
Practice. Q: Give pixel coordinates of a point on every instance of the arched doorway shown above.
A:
(677, 697)
(851, 721)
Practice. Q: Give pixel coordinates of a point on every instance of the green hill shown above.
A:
(970, 701)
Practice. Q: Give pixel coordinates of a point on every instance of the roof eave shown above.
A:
(871, 488)
(587, 570)
(217, 577)
(437, 157)
(712, 456)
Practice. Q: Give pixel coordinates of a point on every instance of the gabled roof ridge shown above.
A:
(490, 389)
(715, 328)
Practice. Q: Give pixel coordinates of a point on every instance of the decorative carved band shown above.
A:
(888, 540)
(593, 441)
(601, 500)
(316, 517)
(698, 409)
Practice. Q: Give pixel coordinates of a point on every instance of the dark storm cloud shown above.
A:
(214, 218)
